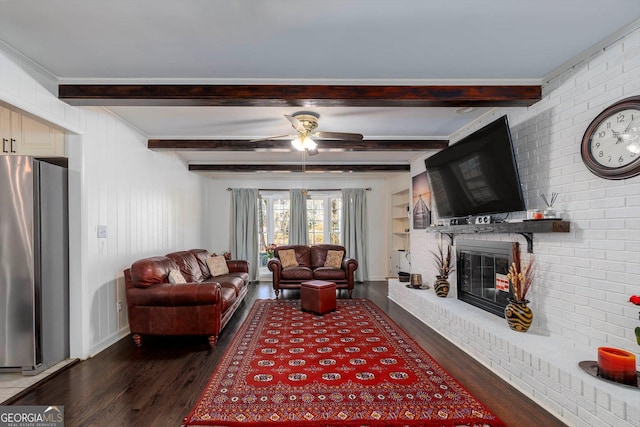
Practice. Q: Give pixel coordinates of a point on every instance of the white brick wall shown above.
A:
(583, 278)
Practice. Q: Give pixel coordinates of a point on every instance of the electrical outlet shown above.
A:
(119, 306)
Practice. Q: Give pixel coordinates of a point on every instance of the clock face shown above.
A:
(611, 143)
(616, 141)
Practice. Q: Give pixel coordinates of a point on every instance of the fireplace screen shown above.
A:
(482, 274)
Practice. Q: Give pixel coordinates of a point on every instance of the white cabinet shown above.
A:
(38, 139)
(10, 131)
(22, 135)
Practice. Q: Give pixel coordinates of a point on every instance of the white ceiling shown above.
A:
(387, 42)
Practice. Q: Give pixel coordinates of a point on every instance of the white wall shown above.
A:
(150, 203)
(583, 278)
(219, 203)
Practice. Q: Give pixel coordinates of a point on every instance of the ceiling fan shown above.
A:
(306, 122)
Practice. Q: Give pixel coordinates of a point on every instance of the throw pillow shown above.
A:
(334, 259)
(288, 258)
(217, 265)
(176, 277)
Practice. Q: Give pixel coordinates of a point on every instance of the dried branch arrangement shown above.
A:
(520, 277)
(444, 263)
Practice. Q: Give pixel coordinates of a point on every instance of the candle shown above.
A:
(617, 365)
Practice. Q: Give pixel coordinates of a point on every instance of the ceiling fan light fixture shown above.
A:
(301, 144)
(297, 143)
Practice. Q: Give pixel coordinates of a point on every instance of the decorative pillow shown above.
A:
(217, 265)
(334, 259)
(288, 258)
(176, 277)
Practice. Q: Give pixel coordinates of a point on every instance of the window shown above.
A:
(273, 217)
(324, 212)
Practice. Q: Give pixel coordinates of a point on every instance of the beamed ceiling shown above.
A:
(302, 96)
(213, 81)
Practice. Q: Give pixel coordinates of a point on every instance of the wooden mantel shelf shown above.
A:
(525, 228)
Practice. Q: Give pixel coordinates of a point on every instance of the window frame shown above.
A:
(269, 199)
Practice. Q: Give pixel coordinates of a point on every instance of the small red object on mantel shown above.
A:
(635, 299)
(617, 365)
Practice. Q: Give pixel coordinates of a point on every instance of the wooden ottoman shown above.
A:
(318, 296)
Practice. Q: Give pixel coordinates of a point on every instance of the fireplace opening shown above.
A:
(482, 274)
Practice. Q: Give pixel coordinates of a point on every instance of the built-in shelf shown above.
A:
(525, 228)
(400, 220)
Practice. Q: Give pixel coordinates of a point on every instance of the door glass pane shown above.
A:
(315, 219)
(262, 231)
(335, 234)
(281, 221)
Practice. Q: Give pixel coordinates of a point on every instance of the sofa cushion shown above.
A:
(329, 273)
(318, 253)
(288, 258)
(201, 256)
(217, 266)
(150, 271)
(241, 275)
(188, 265)
(303, 253)
(176, 277)
(235, 283)
(297, 273)
(334, 259)
(228, 297)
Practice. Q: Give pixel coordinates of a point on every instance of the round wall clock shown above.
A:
(611, 144)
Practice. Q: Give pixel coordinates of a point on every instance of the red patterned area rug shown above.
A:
(352, 367)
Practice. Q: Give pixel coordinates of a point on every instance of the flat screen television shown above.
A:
(478, 175)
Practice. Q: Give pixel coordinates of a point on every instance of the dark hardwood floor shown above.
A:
(158, 384)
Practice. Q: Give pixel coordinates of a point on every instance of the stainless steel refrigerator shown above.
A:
(34, 263)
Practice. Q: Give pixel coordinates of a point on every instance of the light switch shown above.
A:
(102, 232)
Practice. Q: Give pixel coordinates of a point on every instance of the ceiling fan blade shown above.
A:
(297, 124)
(273, 137)
(312, 151)
(339, 135)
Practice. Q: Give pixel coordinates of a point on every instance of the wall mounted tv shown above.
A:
(478, 175)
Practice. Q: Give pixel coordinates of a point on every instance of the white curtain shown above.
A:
(298, 231)
(354, 228)
(244, 228)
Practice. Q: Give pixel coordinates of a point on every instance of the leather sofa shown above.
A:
(202, 306)
(311, 260)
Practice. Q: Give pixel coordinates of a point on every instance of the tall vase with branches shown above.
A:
(517, 312)
(520, 275)
(445, 266)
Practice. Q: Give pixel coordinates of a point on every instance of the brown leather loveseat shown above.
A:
(311, 262)
(201, 306)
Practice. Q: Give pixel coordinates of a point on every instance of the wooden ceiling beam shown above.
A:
(298, 168)
(266, 145)
(300, 95)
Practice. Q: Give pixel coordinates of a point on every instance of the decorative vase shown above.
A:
(518, 314)
(416, 280)
(441, 286)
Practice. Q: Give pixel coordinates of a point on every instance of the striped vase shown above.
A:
(441, 286)
(518, 314)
